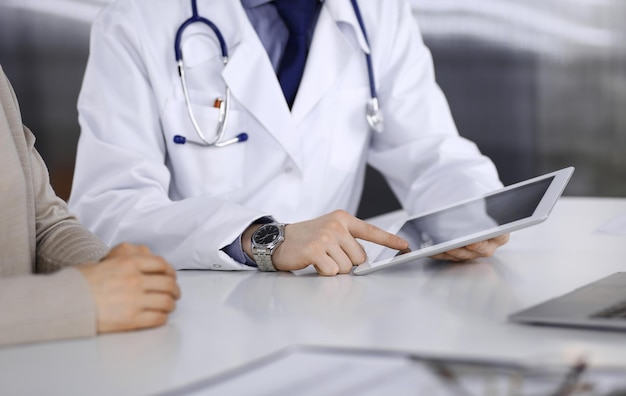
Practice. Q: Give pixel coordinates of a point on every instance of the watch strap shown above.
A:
(263, 258)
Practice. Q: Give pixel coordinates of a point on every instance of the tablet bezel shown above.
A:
(541, 213)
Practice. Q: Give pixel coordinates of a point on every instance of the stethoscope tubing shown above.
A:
(368, 56)
(374, 115)
(224, 107)
(193, 19)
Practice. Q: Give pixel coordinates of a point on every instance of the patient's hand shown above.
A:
(132, 289)
(480, 249)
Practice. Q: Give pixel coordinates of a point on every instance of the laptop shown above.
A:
(511, 208)
(600, 305)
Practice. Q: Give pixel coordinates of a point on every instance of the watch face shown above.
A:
(266, 235)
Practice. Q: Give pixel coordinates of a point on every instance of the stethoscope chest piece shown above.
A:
(375, 116)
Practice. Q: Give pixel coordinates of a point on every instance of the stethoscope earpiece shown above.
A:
(178, 139)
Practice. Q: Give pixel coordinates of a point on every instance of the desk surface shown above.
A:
(226, 319)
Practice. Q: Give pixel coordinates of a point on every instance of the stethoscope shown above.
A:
(373, 113)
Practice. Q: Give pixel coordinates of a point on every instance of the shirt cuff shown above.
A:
(235, 249)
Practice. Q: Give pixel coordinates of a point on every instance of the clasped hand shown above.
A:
(132, 289)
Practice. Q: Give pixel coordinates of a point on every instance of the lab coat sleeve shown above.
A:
(425, 161)
(122, 181)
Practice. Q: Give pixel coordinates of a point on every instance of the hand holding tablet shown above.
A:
(471, 221)
(475, 250)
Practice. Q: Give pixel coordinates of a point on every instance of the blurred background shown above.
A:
(537, 84)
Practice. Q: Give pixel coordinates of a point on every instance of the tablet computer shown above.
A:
(500, 212)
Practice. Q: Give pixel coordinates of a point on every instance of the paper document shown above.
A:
(324, 371)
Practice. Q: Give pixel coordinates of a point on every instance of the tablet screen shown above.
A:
(471, 217)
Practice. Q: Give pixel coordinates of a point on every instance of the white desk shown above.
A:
(227, 319)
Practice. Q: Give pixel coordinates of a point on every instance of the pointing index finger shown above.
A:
(369, 232)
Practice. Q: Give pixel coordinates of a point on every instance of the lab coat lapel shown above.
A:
(253, 83)
(329, 55)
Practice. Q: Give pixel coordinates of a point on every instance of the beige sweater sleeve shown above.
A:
(61, 240)
(45, 307)
(38, 235)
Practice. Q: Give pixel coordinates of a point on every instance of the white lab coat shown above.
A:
(186, 202)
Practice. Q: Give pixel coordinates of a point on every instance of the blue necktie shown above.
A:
(298, 16)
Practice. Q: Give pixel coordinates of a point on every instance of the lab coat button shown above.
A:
(217, 266)
(288, 169)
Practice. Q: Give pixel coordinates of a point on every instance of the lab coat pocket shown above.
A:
(350, 132)
(199, 169)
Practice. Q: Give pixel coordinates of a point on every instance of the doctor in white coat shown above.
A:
(303, 166)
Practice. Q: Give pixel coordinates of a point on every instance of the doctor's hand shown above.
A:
(329, 244)
(132, 289)
(480, 249)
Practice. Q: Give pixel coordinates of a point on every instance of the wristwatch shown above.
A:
(265, 240)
